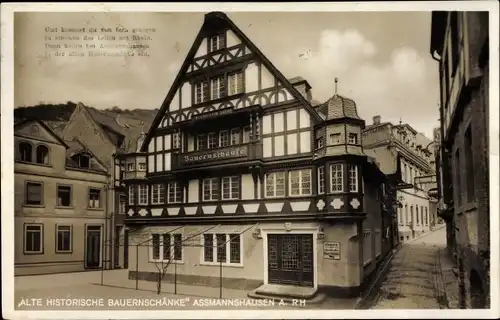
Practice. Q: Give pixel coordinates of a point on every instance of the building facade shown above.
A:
(405, 155)
(60, 202)
(239, 175)
(460, 44)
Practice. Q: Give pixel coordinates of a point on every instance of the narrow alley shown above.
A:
(414, 280)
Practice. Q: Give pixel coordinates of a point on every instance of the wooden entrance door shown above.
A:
(93, 247)
(290, 259)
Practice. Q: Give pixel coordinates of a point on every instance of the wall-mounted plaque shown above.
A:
(331, 250)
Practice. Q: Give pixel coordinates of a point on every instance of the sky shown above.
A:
(381, 59)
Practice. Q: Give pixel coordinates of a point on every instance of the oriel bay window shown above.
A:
(275, 184)
(222, 139)
(300, 182)
(353, 178)
(222, 248)
(131, 194)
(157, 194)
(321, 180)
(174, 192)
(166, 247)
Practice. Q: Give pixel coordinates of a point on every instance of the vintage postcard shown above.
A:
(227, 160)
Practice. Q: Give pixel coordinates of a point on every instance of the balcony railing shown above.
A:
(220, 156)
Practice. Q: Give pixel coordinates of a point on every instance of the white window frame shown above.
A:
(321, 180)
(341, 166)
(232, 181)
(224, 134)
(40, 233)
(158, 193)
(216, 248)
(212, 182)
(201, 137)
(236, 83)
(235, 137)
(352, 138)
(367, 247)
(353, 178)
(174, 185)
(142, 188)
(244, 138)
(218, 40)
(130, 167)
(212, 140)
(200, 89)
(161, 257)
(217, 87)
(302, 173)
(274, 175)
(131, 194)
(93, 204)
(70, 250)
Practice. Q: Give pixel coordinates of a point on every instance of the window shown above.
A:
(42, 155)
(353, 178)
(378, 243)
(455, 40)
(400, 216)
(143, 194)
(353, 138)
(33, 238)
(201, 142)
(469, 165)
(235, 136)
(404, 174)
(411, 176)
(458, 183)
(176, 140)
(319, 143)
(416, 214)
(218, 90)
(142, 166)
(246, 134)
(83, 161)
(321, 180)
(201, 91)
(217, 42)
(275, 184)
(300, 182)
(131, 195)
(212, 140)
(224, 138)
(166, 246)
(34, 193)
(64, 237)
(157, 193)
(411, 214)
(334, 138)
(63, 196)
(230, 187)
(174, 192)
(367, 246)
(337, 178)
(122, 204)
(94, 198)
(210, 189)
(26, 150)
(222, 248)
(426, 216)
(131, 167)
(236, 84)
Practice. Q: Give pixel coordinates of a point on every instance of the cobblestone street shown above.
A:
(414, 280)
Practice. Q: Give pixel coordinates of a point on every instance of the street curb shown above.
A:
(363, 298)
(382, 271)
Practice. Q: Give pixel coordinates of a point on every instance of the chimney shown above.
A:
(376, 120)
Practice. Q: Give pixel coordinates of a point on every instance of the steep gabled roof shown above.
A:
(45, 126)
(222, 17)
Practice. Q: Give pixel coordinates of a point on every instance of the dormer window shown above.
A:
(82, 160)
(353, 138)
(217, 42)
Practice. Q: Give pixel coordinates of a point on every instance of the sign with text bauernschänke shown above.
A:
(227, 153)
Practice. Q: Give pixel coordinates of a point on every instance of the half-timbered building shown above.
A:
(242, 177)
